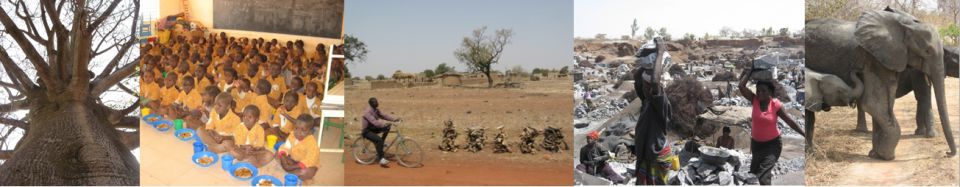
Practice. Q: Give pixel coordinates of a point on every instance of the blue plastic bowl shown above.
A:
(276, 181)
(154, 122)
(239, 165)
(193, 134)
(168, 123)
(205, 153)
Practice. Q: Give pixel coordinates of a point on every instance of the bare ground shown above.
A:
(538, 104)
(842, 156)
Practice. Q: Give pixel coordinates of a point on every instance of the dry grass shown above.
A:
(842, 155)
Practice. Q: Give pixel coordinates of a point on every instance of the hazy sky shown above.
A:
(415, 35)
(614, 17)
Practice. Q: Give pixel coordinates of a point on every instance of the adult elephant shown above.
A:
(879, 45)
(913, 80)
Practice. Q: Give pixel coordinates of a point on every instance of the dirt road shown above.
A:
(842, 158)
(538, 104)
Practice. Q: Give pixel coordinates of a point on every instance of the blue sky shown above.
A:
(614, 17)
(415, 35)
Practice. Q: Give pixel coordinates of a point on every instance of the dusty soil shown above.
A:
(842, 155)
(538, 104)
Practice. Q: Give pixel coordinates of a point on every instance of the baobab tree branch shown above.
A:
(10, 85)
(24, 14)
(32, 55)
(14, 106)
(99, 20)
(116, 60)
(127, 90)
(114, 78)
(15, 123)
(14, 72)
(12, 97)
(6, 154)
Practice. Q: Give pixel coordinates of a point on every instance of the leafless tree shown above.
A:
(480, 51)
(50, 70)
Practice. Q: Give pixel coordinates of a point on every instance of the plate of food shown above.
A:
(164, 125)
(185, 134)
(205, 158)
(265, 180)
(243, 170)
(152, 119)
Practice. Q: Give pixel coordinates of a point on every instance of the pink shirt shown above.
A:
(764, 123)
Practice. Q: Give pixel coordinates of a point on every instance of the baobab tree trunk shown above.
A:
(79, 131)
(71, 138)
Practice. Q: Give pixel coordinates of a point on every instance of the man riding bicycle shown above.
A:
(372, 127)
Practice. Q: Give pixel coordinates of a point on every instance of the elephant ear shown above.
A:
(882, 35)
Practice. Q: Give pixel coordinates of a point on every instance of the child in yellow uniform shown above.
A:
(300, 154)
(190, 101)
(226, 79)
(201, 76)
(208, 96)
(249, 139)
(243, 93)
(312, 99)
(291, 107)
(253, 73)
(264, 102)
(217, 134)
(169, 94)
(190, 98)
(277, 82)
(150, 90)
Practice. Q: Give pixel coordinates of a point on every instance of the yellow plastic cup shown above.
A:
(675, 163)
(145, 111)
(271, 140)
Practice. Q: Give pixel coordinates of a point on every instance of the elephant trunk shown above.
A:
(938, 88)
(857, 87)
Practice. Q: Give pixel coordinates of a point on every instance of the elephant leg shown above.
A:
(878, 101)
(921, 91)
(810, 119)
(861, 119)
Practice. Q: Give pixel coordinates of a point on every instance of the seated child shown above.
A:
(300, 153)
(725, 141)
(150, 89)
(208, 95)
(243, 93)
(226, 79)
(189, 101)
(217, 134)
(291, 107)
(263, 100)
(312, 99)
(250, 139)
(169, 95)
(277, 82)
(201, 76)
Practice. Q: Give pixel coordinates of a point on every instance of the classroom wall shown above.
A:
(168, 7)
(201, 11)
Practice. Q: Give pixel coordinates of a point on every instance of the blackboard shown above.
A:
(318, 18)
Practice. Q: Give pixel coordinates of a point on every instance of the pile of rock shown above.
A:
(449, 137)
(528, 140)
(713, 166)
(553, 140)
(499, 144)
(475, 138)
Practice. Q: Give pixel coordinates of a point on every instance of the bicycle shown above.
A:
(408, 154)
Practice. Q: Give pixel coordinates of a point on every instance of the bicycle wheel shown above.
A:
(409, 153)
(364, 151)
